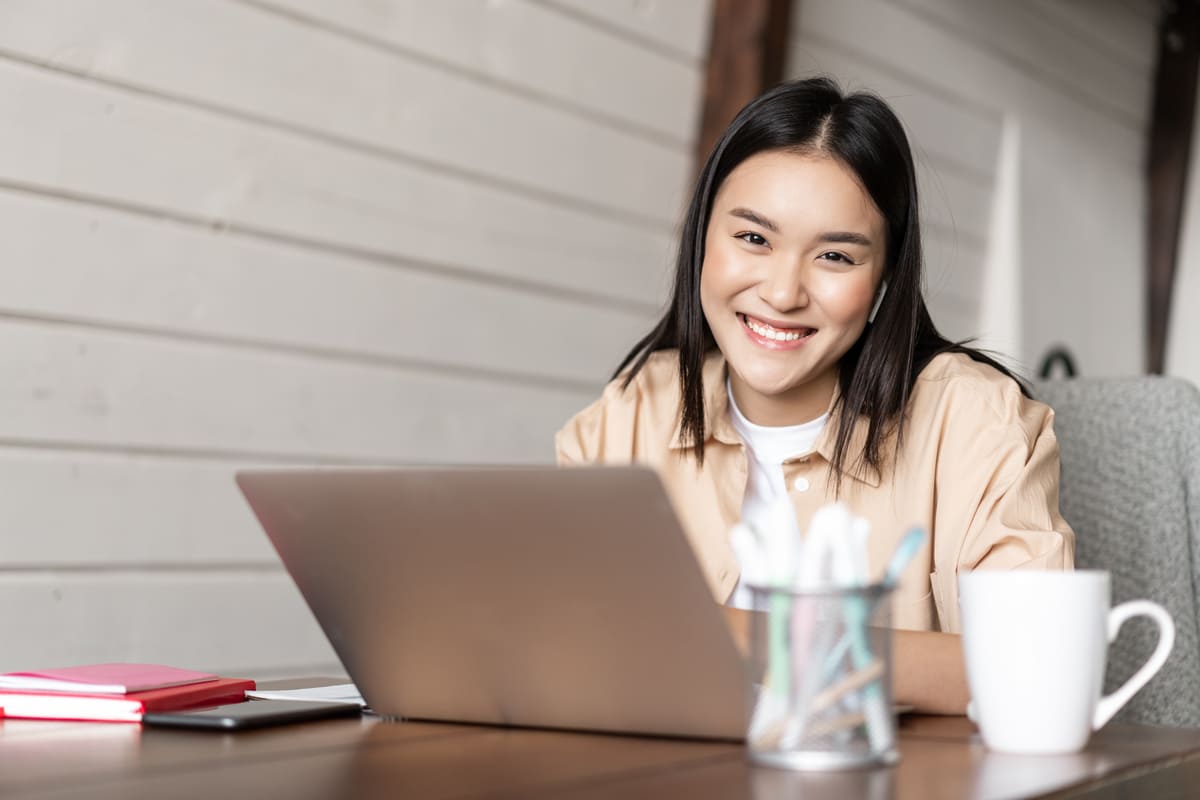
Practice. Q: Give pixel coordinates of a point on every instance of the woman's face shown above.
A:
(794, 253)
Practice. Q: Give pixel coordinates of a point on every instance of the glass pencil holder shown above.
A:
(821, 684)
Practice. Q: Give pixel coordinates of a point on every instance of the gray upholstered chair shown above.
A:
(1131, 490)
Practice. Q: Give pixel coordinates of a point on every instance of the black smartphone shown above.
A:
(250, 714)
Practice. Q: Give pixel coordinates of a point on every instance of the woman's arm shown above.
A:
(928, 671)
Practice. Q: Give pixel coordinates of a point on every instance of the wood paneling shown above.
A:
(746, 53)
(107, 145)
(950, 131)
(255, 62)
(677, 27)
(113, 389)
(233, 623)
(1070, 64)
(1122, 34)
(961, 68)
(77, 262)
(78, 510)
(511, 44)
(257, 232)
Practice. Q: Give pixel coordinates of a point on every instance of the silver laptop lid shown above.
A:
(565, 598)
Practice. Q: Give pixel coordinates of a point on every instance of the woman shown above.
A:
(797, 359)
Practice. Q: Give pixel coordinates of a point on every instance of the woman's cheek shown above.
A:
(724, 269)
(846, 297)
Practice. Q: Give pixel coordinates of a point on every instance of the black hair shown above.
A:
(877, 374)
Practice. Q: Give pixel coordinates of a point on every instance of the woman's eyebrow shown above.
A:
(755, 217)
(845, 237)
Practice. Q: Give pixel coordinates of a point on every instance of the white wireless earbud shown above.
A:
(878, 301)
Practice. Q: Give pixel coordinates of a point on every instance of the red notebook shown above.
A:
(102, 678)
(122, 707)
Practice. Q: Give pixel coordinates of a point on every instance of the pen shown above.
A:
(906, 550)
(783, 552)
(840, 723)
(856, 611)
(809, 638)
(778, 551)
(852, 682)
(909, 544)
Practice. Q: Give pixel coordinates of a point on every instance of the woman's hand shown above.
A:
(739, 621)
(928, 671)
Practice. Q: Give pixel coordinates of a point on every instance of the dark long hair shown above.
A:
(876, 376)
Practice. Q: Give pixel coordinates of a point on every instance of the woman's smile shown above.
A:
(773, 336)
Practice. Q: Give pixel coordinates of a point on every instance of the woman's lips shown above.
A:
(773, 337)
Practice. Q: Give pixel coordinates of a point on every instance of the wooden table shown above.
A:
(366, 758)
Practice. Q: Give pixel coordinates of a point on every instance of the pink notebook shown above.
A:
(122, 707)
(103, 678)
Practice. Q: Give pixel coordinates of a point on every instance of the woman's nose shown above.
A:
(783, 286)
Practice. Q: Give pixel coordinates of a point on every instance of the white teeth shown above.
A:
(771, 333)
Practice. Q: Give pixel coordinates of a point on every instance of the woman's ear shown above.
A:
(878, 301)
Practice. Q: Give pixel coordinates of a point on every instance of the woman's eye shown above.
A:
(751, 238)
(837, 257)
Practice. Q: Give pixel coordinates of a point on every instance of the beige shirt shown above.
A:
(978, 470)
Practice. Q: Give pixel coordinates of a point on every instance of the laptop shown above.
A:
(529, 596)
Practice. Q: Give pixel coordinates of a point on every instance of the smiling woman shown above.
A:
(798, 360)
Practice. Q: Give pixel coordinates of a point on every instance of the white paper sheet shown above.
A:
(338, 693)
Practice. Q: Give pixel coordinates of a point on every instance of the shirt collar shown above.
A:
(718, 422)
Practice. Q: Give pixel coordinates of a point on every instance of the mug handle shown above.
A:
(1112, 703)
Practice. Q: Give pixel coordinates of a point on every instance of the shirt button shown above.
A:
(800, 484)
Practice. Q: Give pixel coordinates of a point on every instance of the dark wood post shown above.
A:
(1171, 119)
(746, 54)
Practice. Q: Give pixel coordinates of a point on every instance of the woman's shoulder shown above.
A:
(652, 388)
(658, 377)
(954, 384)
(641, 409)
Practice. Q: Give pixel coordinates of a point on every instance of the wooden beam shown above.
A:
(1171, 121)
(747, 51)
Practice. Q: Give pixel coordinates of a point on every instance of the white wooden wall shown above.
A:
(246, 232)
(1069, 80)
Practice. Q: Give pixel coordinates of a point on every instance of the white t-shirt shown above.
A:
(766, 450)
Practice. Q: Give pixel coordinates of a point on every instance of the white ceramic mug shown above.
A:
(1036, 646)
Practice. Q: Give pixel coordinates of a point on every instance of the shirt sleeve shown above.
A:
(997, 489)
(576, 442)
(592, 435)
